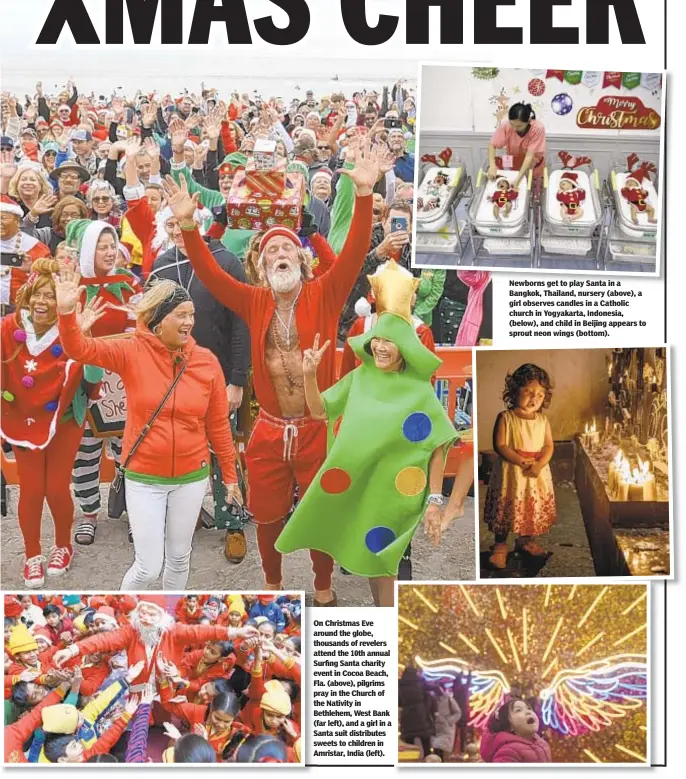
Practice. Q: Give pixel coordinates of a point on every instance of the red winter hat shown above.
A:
(106, 611)
(277, 230)
(43, 633)
(13, 608)
(573, 178)
(158, 600)
(11, 206)
(264, 599)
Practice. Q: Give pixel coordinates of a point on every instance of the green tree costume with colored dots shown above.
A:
(366, 501)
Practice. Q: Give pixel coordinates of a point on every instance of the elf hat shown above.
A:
(275, 699)
(21, 640)
(10, 206)
(275, 232)
(231, 163)
(573, 178)
(158, 600)
(84, 234)
(61, 718)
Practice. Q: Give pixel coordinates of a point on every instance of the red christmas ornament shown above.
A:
(536, 87)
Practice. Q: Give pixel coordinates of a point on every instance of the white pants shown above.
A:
(162, 519)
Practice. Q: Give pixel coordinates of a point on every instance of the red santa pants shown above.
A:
(45, 474)
(281, 453)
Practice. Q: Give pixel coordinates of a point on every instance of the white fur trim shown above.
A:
(134, 193)
(35, 345)
(11, 208)
(363, 307)
(88, 244)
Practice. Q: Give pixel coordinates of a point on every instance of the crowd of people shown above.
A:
(120, 253)
(152, 678)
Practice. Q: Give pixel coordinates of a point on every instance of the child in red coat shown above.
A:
(512, 736)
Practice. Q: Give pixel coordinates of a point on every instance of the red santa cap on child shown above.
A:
(279, 230)
(573, 178)
(10, 206)
(106, 614)
(43, 633)
(637, 175)
(265, 599)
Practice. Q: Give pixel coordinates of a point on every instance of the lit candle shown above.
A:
(635, 491)
(622, 492)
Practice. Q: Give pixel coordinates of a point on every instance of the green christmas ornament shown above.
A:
(367, 499)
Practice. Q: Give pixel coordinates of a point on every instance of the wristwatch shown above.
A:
(436, 498)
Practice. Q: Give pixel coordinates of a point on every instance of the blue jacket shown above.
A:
(272, 611)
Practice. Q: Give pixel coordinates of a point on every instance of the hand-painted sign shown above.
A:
(107, 416)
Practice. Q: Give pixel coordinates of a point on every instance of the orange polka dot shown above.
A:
(410, 481)
(335, 480)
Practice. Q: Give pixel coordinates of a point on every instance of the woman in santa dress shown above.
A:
(44, 404)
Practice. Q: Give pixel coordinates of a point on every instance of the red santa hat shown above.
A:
(573, 178)
(44, 633)
(106, 613)
(158, 600)
(13, 608)
(322, 173)
(10, 206)
(280, 230)
(637, 175)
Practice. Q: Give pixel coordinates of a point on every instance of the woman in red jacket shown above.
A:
(43, 413)
(167, 474)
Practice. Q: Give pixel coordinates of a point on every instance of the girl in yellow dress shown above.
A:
(520, 497)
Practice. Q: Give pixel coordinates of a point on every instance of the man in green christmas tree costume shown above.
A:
(388, 438)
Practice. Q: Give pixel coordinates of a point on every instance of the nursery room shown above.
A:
(573, 462)
(554, 170)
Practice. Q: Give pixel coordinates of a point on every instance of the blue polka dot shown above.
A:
(417, 427)
(52, 405)
(378, 538)
(56, 350)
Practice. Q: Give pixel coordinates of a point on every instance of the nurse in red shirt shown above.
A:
(523, 136)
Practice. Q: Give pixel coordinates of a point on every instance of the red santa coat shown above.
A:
(572, 199)
(38, 385)
(171, 645)
(501, 199)
(637, 196)
(11, 279)
(317, 311)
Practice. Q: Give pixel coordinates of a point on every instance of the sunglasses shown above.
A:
(104, 199)
(322, 148)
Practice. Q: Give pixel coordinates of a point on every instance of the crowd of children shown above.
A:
(154, 678)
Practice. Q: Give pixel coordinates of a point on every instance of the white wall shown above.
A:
(452, 99)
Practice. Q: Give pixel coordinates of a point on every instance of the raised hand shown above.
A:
(365, 174)
(183, 206)
(148, 115)
(44, 205)
(213, 125)
(68, 294)
(243, 632)
(200, 730)
(151, 148)
(199, 154)
(88, 316)
(386, 159)
(172, 731)
(312, 357)
(132, 147)
(131, 705)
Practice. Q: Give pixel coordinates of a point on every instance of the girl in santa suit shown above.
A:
(571, 196)
(13, 241)
(43, 411)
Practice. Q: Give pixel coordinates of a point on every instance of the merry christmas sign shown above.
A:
(618, 112)
(107, 417)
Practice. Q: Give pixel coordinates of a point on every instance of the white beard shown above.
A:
(150, 635)
(284, 281)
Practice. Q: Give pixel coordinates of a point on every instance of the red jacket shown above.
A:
(187, 617)
(219, 670)
(171, 645)
(317, 310)
(16, 735)
(198, 410)
(509, 748)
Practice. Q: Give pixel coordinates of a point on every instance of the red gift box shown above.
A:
(246, 211)
(266, 182)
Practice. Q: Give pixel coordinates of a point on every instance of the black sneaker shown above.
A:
(405, 570)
